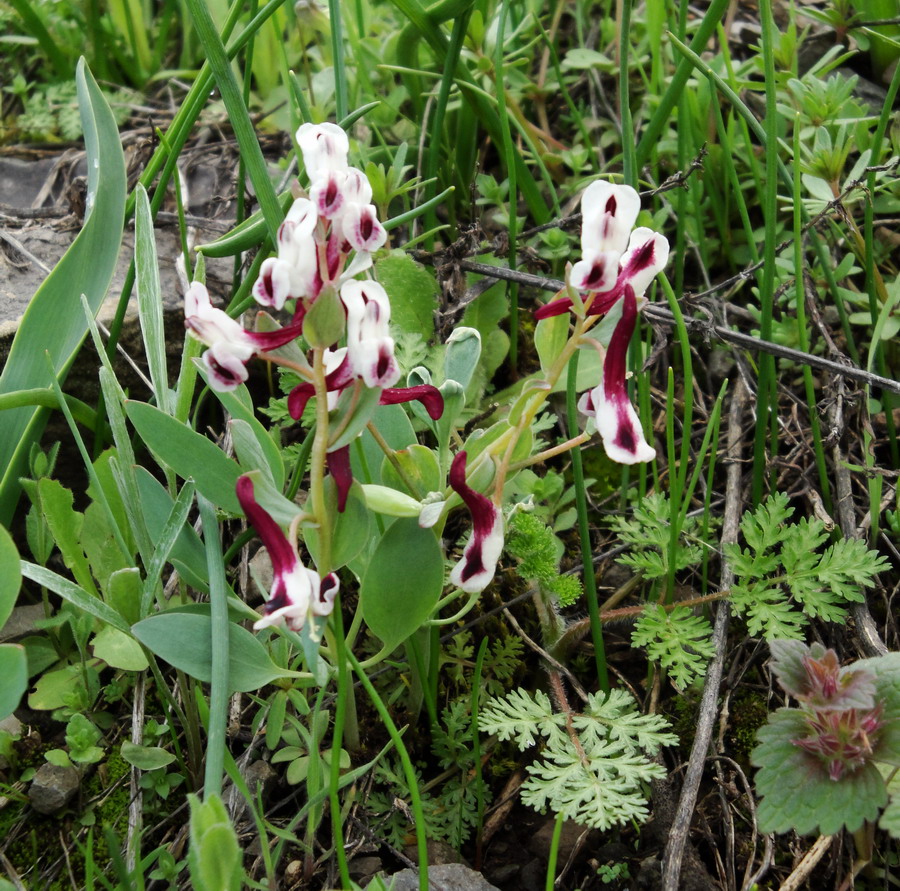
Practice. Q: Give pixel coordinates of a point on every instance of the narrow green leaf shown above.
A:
(188, 453)
(65, 525)
(73, 593)
(149, 299)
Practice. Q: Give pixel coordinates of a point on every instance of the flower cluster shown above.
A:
(617, 266)
(842, 720)
(325, 241)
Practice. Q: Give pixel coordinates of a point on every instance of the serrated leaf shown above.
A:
(797, 792)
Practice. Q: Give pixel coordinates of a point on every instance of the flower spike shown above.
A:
(479, 561)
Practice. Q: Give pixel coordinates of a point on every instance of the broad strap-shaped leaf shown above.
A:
(54, 322)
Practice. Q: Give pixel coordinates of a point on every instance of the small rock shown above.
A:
(293, 872)
(53, 788)
(449, 877)
(260, 776)
(571, 832)
(439, 853)
(533, 875)
(363, 868)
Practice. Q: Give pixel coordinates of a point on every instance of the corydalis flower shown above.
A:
(617, 267)
(230, 346)
(369, 344)
(297, 592)
(608, 403)
(339, 376)
(475, 570)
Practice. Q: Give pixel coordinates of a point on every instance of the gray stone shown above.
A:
(448, 877)
(439, 853)
(541, 840)
(53, 787)
(363, 868)
(260, 776)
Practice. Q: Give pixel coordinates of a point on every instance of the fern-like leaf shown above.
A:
(678, 640)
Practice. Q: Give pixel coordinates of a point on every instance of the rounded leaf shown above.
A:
(10, 575)
(403, 581)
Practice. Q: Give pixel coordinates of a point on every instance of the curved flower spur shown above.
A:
(616, 268)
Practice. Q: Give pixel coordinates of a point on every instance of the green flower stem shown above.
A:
(464, 611)
(344, 691)
(219, 624)
(476, 748)
(317, 463)
(590, 582)
(573, 443)
(554, 846)
(408, 771)
(391, 455)
(509, 439)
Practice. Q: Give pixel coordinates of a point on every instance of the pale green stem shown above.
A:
(464, 611)
(317, 464)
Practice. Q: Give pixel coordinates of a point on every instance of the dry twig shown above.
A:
(708, 704)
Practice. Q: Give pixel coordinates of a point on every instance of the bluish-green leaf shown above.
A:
(76, 595)
(14, 671)
(188, 453)
(149, 299)
(184, 641)
(403, 581)
(54, 322)
(10, 575)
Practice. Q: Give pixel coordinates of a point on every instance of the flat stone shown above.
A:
(447, 877)
(53, 787)
(22, 180)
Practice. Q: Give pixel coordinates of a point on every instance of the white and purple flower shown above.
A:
(369, 344)
(475, 570)
(297, 592)
(617, 266)
(231, 346)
